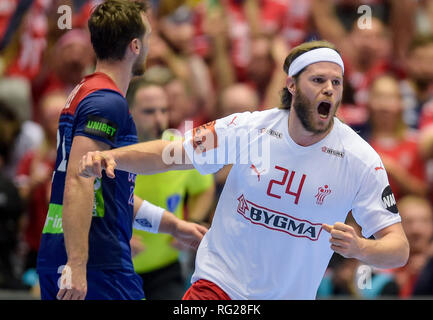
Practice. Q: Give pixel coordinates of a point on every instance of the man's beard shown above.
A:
(138, 67)
(305, 112)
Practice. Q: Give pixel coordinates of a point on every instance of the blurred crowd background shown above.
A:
(208, 59)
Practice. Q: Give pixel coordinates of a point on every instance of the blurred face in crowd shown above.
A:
(180, 104)
(317, 95)
(51, 107)
(385, 103)
(370, 44)
(150, 112)
(261, 65)
(178, 30)
(238, 98)
(417, 223)
(420, 66)
(72, 60)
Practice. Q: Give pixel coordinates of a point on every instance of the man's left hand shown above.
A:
(344, 240)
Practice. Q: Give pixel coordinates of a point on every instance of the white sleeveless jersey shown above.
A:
(266, 240)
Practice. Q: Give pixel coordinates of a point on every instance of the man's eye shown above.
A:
(336, 82)
(318, 80)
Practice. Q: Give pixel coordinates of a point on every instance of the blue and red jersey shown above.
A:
(95, 109)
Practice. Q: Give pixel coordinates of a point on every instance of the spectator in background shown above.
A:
(261, 65)
(35, 171)
(417, 220)
(247, 19)
(396, 144)
(182, 106)
(174, 48)
(366, 52)
(267, 50)
(70, 59)
(15, 93)
(10, 202)
(424, 17)
(418, 87)
(235, 99)
(24, 57)
(263, 72)
(349, 278)
(159, 264)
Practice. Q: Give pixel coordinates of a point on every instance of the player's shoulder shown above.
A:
(355, 147)
(104, 101)
(107, 97)
(259, 117)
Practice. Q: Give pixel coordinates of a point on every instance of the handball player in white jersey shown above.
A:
(297, 172)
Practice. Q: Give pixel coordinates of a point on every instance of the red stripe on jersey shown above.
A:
(91, 83)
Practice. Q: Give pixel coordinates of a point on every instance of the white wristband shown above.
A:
(148, 217)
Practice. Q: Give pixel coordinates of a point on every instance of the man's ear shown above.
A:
(135, 46)
(291, 85)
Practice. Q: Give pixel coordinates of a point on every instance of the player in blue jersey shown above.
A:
(85, 251)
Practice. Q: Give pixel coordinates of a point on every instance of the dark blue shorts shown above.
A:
(101, 285)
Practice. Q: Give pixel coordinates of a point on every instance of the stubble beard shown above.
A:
(138, 67)
(305, 113)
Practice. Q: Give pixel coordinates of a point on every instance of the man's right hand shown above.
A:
(92, 164)
(72, 283)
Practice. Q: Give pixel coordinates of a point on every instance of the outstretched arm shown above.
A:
(142, 158)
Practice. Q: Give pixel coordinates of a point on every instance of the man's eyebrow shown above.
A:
(326, 76)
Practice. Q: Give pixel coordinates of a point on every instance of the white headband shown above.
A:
(313, 56)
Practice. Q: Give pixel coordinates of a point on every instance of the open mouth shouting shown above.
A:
(324, 108)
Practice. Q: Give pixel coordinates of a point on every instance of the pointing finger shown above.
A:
(327, 227)
(342, 226)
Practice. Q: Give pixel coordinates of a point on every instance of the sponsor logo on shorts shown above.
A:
(333, 152)
(278, 221)
(388, 200)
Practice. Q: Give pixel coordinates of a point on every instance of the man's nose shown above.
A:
(328, 90)
(159, 116)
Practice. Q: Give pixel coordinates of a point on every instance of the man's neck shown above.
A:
(300, 135)
(118, 71)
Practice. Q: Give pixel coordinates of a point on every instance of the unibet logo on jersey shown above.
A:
(101, 127)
